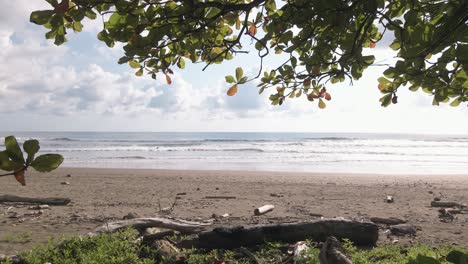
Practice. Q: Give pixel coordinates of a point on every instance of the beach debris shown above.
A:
(389, 199)
(13, 259)
(387, 221)
(332, 252)
(216, 216)
(165, 248)
(264, 209)
(446, 216)
(446, 204)
(182, 193)
(436, 199)
(220, 197)
(131, 215)
(68, 175)
(276, 195)
(65, 183)
(39, 207)
(27, 200)
(403, 229)
(298, 251)
(315, 214)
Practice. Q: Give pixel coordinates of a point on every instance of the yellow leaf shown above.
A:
(232, 91)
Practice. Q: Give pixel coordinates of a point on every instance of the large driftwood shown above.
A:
(185, 227)
(360, 233)
(28, 200)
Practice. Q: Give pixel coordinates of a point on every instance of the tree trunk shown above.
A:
(28, 200)
(360, 233)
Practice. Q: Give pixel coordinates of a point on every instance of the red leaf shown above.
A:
(168, 79)
(372, 45)
(232, 91)
(169, 71)
(19, 176)
(327, 96)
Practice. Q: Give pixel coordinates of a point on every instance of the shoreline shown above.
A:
(100, 195)
(260, 171)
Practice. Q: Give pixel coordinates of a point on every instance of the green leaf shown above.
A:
(368, 59)
(181, 63)
(321, 104)
(420, 259)
(41, 17)
(47, 162)
(455, 102)
(90, 14)
(230, 79)
(77, 26)
(31, 147)
(134, 64)
(13, 150)
(242, 80)
(139, 72)
(6, 164)
(395, 45)
(239, 73)
(457, 257)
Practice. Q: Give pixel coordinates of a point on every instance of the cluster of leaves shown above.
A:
(320, 41)
(12, 159)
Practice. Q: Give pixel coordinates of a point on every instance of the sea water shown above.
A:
(300, 152)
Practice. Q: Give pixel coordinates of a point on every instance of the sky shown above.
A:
(80, 87)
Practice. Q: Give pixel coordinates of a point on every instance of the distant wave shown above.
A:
(125, 157)
(238, 140)
(330, 138)
(64, 139)
(218, 150)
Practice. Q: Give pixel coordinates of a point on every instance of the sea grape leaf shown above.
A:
(47, 162)
(457, 257)
(31, 147)
(6, 164)
(41, 17)
(14, 150)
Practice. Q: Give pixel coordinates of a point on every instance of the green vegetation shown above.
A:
(316, 42)
(12, 159)
(123, 247)
(17, 238)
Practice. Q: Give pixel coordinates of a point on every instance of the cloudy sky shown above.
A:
(80, 87)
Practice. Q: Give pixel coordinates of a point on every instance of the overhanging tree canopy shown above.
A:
(321, 41)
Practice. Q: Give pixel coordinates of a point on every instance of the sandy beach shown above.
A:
(100, 195)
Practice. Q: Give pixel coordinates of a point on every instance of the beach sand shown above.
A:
(100, 195)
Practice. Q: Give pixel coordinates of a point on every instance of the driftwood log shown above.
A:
(387, 221)
(446, 204)
(184, 227)
(360, 233)
(28, 200)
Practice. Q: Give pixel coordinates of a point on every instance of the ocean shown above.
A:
(298, 152)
